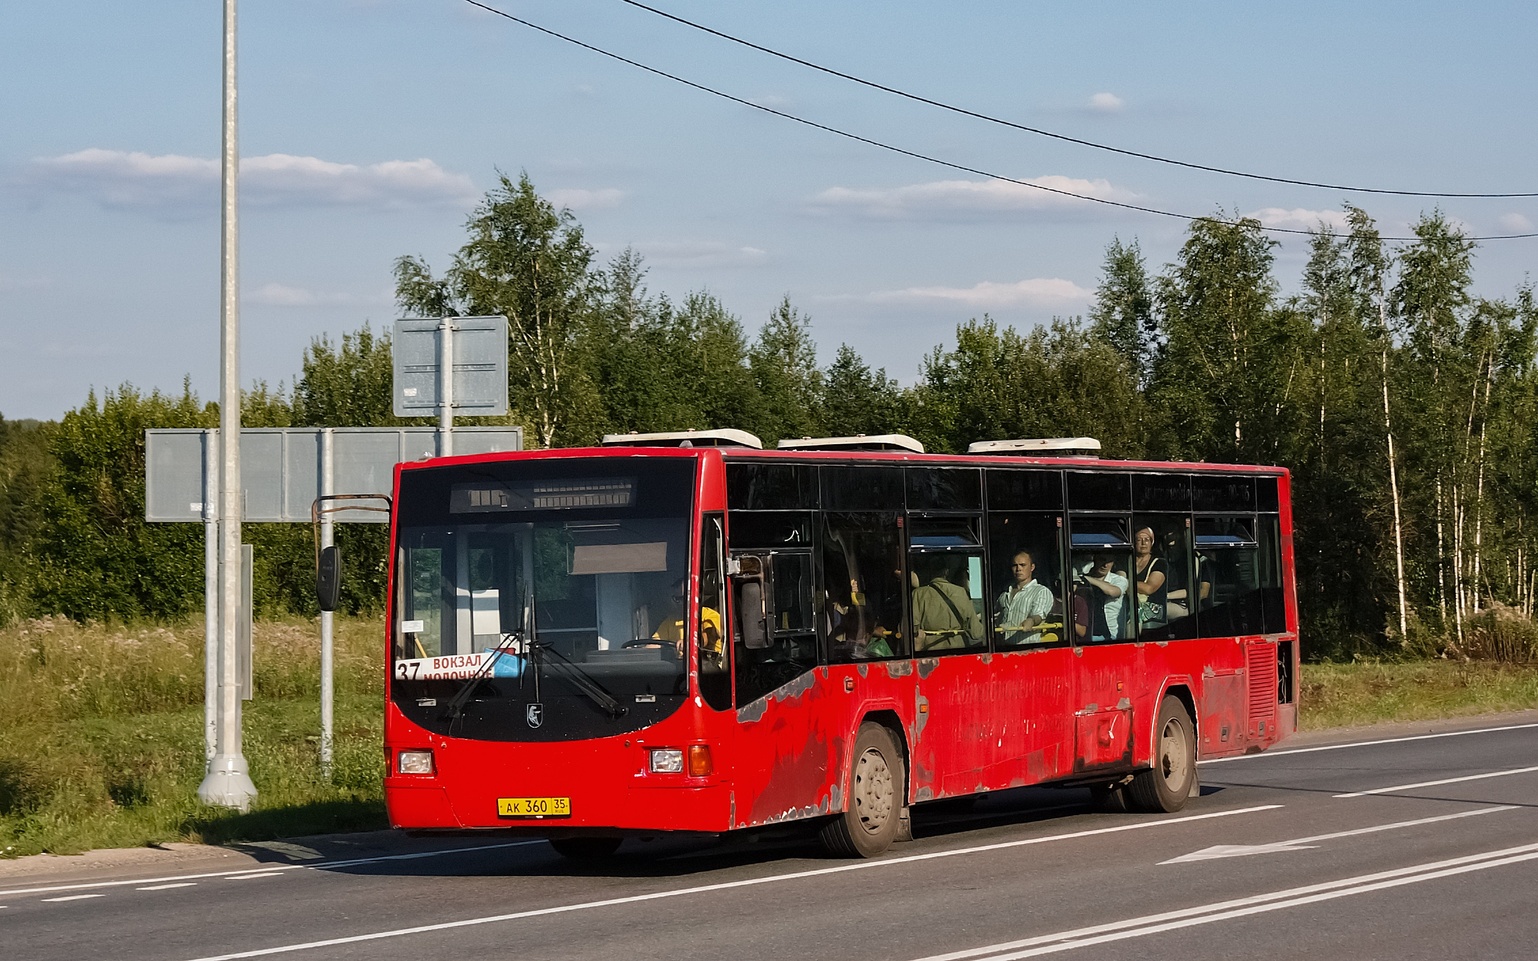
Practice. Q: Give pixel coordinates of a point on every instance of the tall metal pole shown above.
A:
(326, 617)
(446, 388)
(228, 781)
(210, 596)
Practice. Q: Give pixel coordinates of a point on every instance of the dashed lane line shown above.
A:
(1240, 907)
(1446, 780)
(311, 866)
(730, 885)
(1387, 740)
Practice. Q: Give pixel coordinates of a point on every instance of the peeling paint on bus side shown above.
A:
(788, 691)
(896, 669)
(796, 814)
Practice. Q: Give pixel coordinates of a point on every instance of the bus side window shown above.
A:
(1025, 557)
(861, 589)
(1228, 576)
(792, 642)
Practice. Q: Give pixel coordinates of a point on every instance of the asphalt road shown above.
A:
(1406, 844)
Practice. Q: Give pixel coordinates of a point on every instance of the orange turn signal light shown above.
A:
(699, 760)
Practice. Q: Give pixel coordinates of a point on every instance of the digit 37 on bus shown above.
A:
(685, 632)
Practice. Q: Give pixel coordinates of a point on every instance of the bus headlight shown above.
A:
(414, 762)
(667, 760)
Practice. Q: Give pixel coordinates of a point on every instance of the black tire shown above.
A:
(585, 849)
(1165, 786)
(877, 783)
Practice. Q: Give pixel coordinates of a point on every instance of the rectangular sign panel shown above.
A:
(280, 467)
(479, 381)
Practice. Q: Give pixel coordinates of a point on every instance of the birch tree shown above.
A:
(530, 263)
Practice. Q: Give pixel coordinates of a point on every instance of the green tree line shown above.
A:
(1404, 406)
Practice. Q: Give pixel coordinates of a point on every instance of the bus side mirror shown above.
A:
(328, 578)
(748, 572)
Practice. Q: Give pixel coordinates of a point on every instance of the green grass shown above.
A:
(101, 742)
(1347, 695)
(101, 737)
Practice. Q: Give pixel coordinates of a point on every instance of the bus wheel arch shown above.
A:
(1165, 786)
(875, 800)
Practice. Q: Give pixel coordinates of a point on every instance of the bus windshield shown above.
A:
(542, 599)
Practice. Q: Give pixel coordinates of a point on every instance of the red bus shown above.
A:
(686, 632)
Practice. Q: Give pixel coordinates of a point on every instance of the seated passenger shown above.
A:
(1109, 587)
(944, 617)
(1025, 604)
(1151, 578)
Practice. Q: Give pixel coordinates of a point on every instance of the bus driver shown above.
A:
(672, 626)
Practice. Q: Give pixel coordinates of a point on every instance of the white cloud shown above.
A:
(1052, 293)
(701, 254)
(967, 199)
(1106, 103)
(1299, 218)
(120, 178)
(282, 295)
(1516, 223)
(579, 199)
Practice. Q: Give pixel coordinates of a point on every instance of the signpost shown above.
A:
(289, 470)
(455, 364)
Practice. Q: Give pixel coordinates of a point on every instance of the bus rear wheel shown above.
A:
(870, 821)
(1165, 786)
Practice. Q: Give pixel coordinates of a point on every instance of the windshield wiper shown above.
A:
(577, 678)
(456, 705)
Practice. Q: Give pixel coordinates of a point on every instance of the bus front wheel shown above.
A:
(871, 818)
(1165, 786)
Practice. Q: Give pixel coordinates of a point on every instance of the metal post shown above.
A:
(228, 781)
(446, 388)
(326, 617)
(210, 594)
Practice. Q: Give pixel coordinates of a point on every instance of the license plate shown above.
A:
(534, 807)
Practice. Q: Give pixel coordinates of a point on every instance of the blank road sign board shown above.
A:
(280, 467)
(479, 382)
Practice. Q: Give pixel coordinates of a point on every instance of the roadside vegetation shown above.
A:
(102, 743)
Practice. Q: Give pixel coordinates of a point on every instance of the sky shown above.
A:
(369, 129)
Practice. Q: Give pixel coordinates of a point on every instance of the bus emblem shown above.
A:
(535, 714)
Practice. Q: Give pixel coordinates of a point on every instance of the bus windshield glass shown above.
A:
(542, 599)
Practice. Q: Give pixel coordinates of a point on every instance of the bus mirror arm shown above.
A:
(748, 572)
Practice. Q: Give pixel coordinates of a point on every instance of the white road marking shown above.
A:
(325, 866)
(76, 897)
(1446, 780)
(1239, 907)
(1306, 844)
(167, 887)
(726, 885)
(1387, 740)
(259, 874)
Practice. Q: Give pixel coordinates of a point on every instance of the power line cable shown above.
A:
(915, 154)
(1064, 137)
